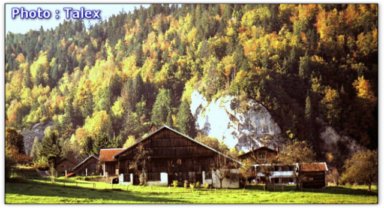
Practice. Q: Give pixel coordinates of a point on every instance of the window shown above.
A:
(276, 168)
(286, 180)
(262, 155)
(153, 176)
(208, 175)
(276, 180)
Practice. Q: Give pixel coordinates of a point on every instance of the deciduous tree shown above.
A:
(362, 167)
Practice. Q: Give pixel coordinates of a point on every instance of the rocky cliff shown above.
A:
(243, 128)
(37, 131)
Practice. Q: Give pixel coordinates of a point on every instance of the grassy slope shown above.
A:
(40, 191)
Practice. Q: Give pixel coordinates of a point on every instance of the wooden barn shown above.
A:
(167, 155)
(108, 161)
(312, 175)
(89, 166)
(64, 166)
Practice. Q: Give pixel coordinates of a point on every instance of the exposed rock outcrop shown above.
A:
(223, 119)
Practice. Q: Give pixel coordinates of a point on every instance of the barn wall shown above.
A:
(230, 181)
(312, 179)
(64, 166)
(110, 168)
(91, 165)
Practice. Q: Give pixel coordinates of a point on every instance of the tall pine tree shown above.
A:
(185, 120)
(161, 111)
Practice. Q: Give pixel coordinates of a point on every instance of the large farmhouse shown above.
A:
(167, 155)
(266, 167)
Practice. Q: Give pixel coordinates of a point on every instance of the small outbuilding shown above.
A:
(89, 166)
(312, 175)
(64, 166)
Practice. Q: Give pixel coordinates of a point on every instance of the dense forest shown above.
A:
(107, 84)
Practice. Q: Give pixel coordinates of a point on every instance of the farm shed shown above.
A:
(167, 155)
(312, 175)
(64, 166)
(89, 166)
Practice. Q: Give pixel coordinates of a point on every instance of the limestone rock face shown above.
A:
(250, 127)
(37, 131)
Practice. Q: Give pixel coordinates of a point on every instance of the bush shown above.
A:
(197, 184)
(143, 179)
(41, 163)
(175, 183)
(185, 184)
(206, 185)
(192, 186)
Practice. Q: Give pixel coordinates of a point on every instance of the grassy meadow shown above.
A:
(40, 191)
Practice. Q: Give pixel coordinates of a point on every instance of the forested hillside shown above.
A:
(310, 65)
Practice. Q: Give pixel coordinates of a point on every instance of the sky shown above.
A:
(19, 25)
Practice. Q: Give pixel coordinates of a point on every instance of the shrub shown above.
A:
(192, 186)
(175, 183)
(41, 163)
(197, 184)
(185, 184)
(206, 185)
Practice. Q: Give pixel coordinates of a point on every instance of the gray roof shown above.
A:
(85, 160)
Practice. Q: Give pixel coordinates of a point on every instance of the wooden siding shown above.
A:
(110, 168)
(64, 165)
(92, 166)
(312, 179)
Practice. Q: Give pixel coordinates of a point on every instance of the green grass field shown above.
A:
(84, 192)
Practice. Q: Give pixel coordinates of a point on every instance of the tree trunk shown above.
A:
(297, 183)
(221, 183)
(369, 186)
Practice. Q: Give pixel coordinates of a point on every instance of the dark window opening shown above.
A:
(153, 176)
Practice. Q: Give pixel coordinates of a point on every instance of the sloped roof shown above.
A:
(313, 167)
(165, 127)
(257, 149)
(108, 155)
(85, 160)
(64, 160)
